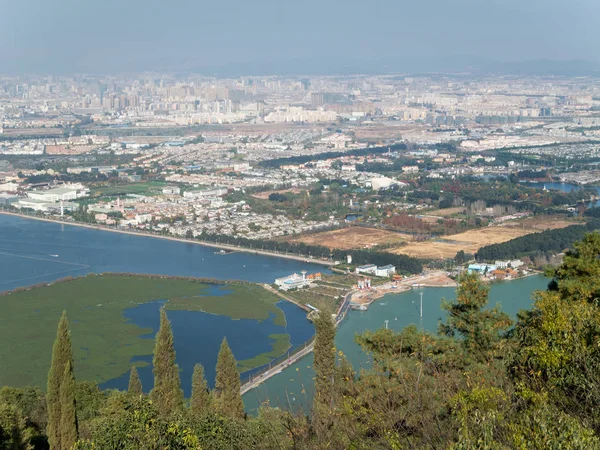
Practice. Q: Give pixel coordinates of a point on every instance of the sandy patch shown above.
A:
(352, 238)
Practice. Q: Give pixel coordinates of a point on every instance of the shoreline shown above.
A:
(175, 239)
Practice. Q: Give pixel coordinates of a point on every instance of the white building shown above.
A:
(367, 268)
(385, 271)
(54, 195)
(513, 264)
(293, 281)
(381, 182)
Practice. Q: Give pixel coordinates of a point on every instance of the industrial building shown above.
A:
(63, 193)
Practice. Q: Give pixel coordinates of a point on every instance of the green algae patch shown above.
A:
(104, 341)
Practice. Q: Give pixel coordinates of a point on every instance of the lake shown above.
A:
(197, 341)
(33, 251)
(294, 387)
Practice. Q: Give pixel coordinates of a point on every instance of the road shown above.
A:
(342, 311)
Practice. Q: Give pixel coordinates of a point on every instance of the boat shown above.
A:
(54, 256)
(221, 252)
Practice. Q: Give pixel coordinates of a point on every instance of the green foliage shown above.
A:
(549, 241)
(14, 430)
(135, 385)
(324, 365)
(557, 349)
(167, 393)
(227, 397)
(62, 358)
(480, 329)
(138, 424)
(68, 409)
(200, 401)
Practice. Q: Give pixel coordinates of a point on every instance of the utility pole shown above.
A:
(386, 323)
(421, 305)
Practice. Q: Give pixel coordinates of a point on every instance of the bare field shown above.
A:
(265, 195)
(352, 238)
(472, 240)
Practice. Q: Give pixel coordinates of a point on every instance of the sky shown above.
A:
(63, 36)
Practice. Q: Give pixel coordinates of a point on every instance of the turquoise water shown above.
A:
(293, 387)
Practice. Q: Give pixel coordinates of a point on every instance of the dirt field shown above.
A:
(472, 240)
(353, 237)
(265, 195)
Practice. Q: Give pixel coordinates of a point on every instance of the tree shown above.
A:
(324, 365)
(62, 354)
(135, 385)
(167, 393)
(68, 409)
(557, 354)
(227, 396)
(460, 257)
(480, 328)
(200, 401)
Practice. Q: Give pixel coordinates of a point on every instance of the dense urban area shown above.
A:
(389, 183)
(427, 169)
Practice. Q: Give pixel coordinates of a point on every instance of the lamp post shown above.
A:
(421, 310)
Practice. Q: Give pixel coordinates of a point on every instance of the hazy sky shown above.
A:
(123, 35)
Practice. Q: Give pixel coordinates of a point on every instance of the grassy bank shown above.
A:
(104, 340)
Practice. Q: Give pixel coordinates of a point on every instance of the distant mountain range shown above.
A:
(408, 65)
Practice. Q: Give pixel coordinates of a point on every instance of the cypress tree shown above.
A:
(200, 401)
(228, 399)
(135, 385)
(167, 394)
(62, 354)
(68, 410)
(324, 366)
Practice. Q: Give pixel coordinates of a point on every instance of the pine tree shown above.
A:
(167, 394)
(228, 399)
(480, 328)
(324, 365)
(200, 402)
(135, 385)
(62, 354)
(68, 410)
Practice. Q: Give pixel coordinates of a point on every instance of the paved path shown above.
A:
(342, 311)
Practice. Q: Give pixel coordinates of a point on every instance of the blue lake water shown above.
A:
(198, 335)
(33, 251)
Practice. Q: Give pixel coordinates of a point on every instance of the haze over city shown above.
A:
(273, 37)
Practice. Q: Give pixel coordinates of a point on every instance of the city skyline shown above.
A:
(269, 37)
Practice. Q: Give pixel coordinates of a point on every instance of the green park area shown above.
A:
(104, 341)
(147, 188)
